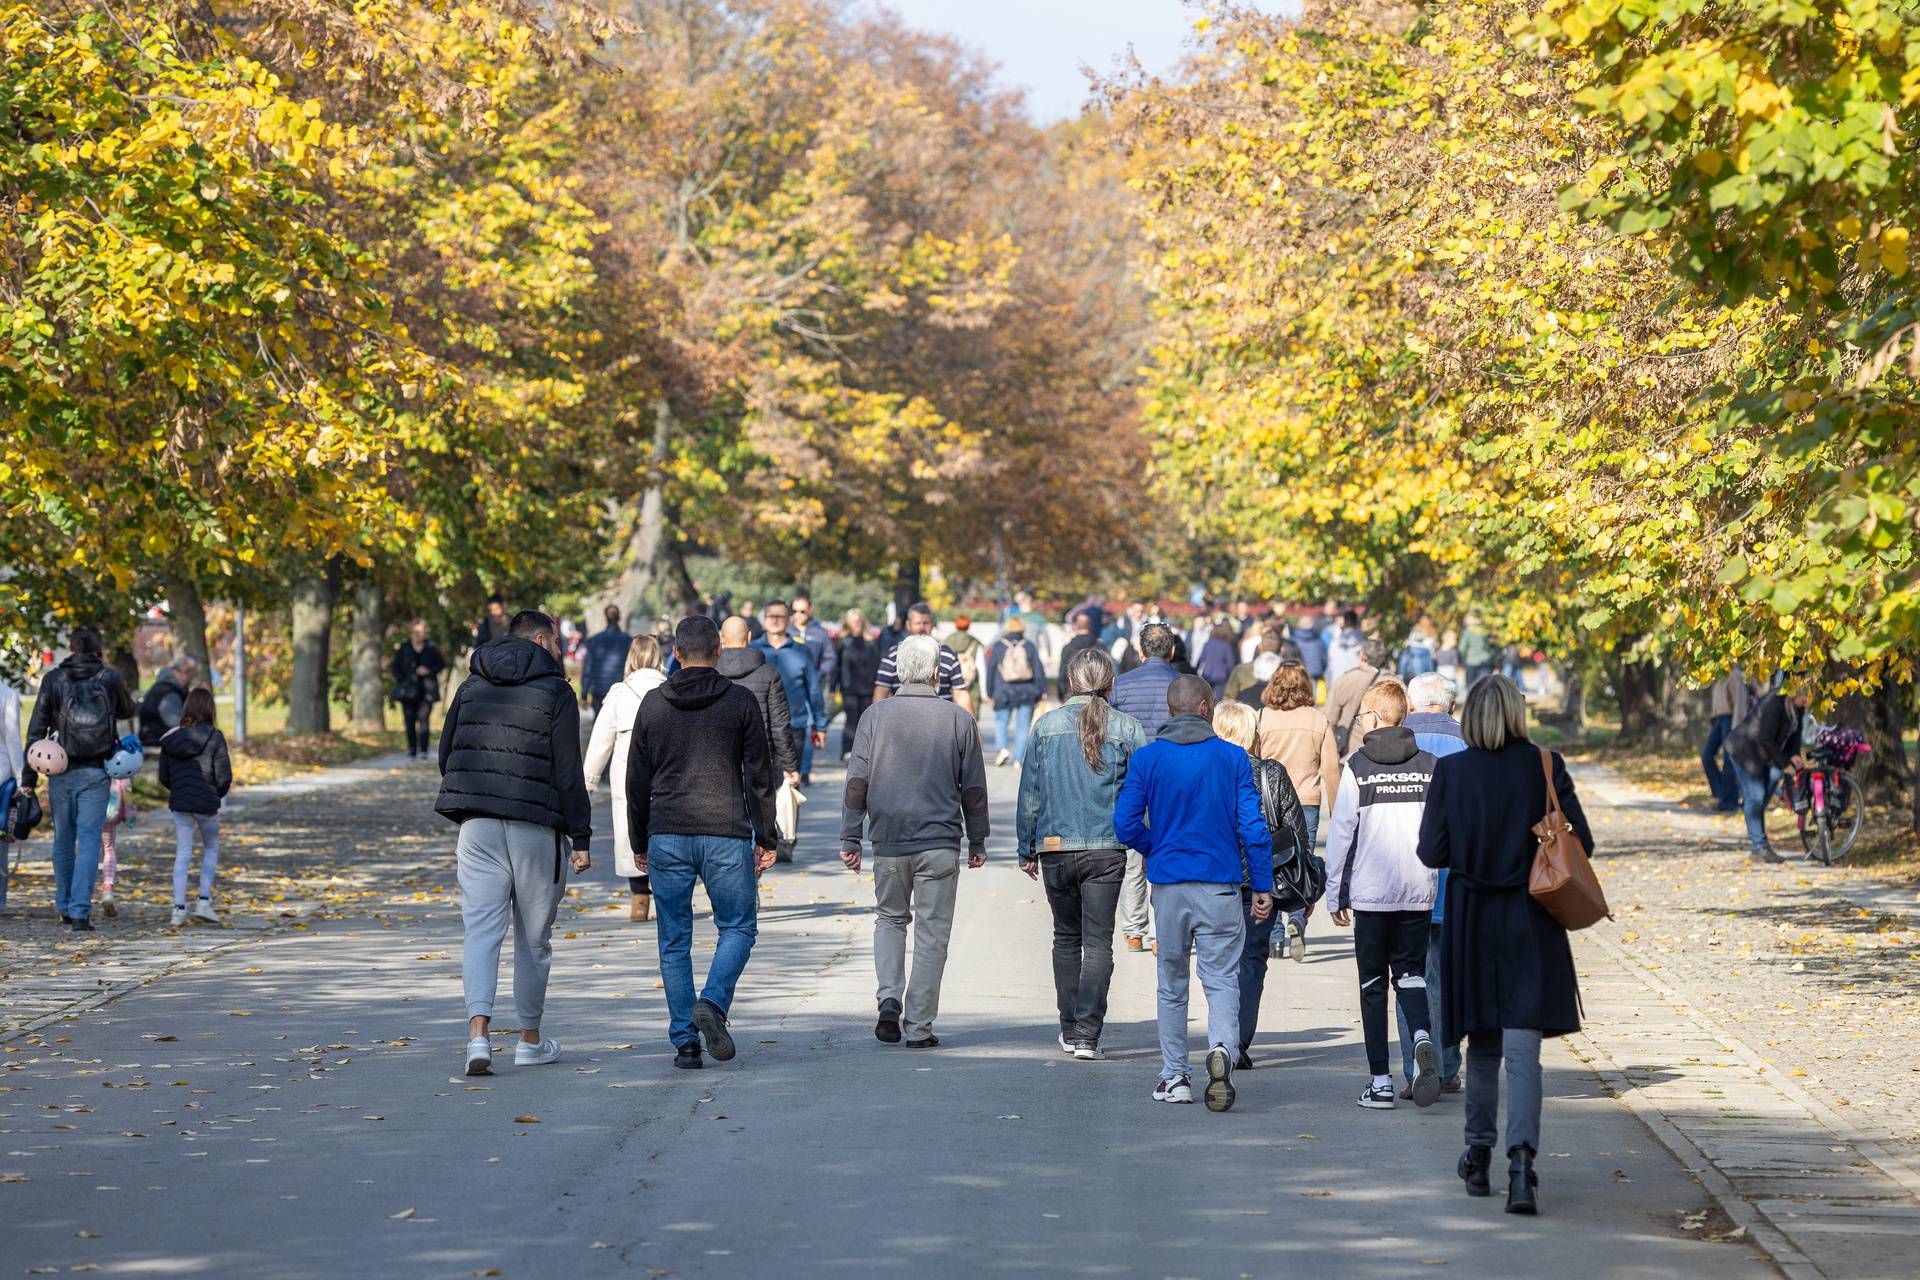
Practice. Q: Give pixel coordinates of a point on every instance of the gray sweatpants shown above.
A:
(1202, 922)
(1520, 1050)
(508, 869)
(1133, 897)
(929, 881)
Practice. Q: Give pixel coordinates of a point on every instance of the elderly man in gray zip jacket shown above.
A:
(916, 788)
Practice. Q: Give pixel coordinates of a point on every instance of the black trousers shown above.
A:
(1390, 946)
(1083, 888)
(854, 705)
(419, 718)
(639, 884)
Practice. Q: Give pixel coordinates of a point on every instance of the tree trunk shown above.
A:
(1637, 685)
(1684, 712)
(906, 585)
(653, 582)
(308, 706)
(369, 658)
(188, 614)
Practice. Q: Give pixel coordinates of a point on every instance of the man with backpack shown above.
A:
(1015, 683)
(80, 706)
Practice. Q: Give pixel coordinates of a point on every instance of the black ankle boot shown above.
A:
(1474, 1163)
(1521, 1181)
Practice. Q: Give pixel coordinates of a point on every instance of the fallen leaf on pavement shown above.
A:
(526, 1119)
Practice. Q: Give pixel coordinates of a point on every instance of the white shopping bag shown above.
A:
(786, 810)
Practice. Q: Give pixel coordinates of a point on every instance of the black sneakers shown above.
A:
(687, 1057)
(1426, 1082)
(928, 1041)
(887, 1029)
(712, 1026)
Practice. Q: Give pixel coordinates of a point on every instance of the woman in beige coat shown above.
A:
(612, 732)
(1297, 734)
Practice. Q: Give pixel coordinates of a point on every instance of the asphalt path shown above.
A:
(295, 1108)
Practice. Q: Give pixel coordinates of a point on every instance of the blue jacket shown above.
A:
(1416, 660)
(606, 661)
(1313, 649)
(1064, 805)
(806, 701)
(1437, 734)
(1020, 693)
(1190, 807)
(1142, 693)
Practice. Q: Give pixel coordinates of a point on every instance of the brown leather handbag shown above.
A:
(1563, 880)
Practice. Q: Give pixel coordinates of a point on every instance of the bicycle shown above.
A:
(1825, 799)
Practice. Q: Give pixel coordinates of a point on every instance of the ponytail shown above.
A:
(1091, 673)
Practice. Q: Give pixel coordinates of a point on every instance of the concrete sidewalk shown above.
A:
(295, 1108)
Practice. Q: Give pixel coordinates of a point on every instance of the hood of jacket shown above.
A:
(734, 663)
(187, 741)
(1392, 745)
(696, 688)
(645, 681)
(81, 666)
(513, 660)
(1185, 730)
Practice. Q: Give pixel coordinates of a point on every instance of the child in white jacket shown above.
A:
(1376, 882)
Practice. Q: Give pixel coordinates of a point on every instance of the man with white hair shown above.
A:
(1433, 698)
(917, 811)
(160, 706)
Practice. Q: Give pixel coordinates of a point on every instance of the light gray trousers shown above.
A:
(1520, 1050)
(1133, 897)
(1203, 926)
(929, 882)
(508, 870)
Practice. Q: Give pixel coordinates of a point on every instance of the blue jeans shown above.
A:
(78, 799)
(1754, 794)
(725, 865)
(1719, 768)
(804, 739)
(1022, 719)
(1449, 1047)
(1253, 966)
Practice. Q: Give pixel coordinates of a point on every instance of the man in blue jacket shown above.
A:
(1190, 807)
(1142, 694)
(1433, 698)
(806, 701)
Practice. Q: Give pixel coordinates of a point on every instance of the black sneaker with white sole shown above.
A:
(1378, 1097)
(1426, 1082)
(687, 1057)
(1219, 1092)
(712, 1026)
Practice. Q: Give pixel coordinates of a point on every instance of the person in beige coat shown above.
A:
(1297, 734)
(612, 732)
(1343, 697)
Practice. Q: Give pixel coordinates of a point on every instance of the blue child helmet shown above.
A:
(126, 759)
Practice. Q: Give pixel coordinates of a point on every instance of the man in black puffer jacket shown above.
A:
(511, 776)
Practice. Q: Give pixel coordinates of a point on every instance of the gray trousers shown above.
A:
(929, 882)
(1520, 1049)
(1203, 923)
(1133, 897)
(508, 870)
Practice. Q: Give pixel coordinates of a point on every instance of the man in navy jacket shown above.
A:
(1190, 807)
(1142, 694)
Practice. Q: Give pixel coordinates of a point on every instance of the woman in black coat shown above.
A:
(417, 665)
(1506, 969)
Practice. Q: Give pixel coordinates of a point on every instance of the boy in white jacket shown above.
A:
(1377, 883)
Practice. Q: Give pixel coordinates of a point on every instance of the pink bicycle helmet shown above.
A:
(47, 757)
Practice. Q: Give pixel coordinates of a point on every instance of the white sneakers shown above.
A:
(1180, 1090)
(479, 1057)
(536, 1055)
(1005, 757)
(205, 913)
(178, 918)
(1066, 1045)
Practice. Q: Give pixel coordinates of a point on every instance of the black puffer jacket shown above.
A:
(511, 746)
(748, 668)
(195, 768)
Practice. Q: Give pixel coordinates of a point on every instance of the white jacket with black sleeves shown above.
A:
(1372, 842)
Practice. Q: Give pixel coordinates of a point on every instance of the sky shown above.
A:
(1041, 45)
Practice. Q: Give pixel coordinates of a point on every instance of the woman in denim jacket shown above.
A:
(1071, 773)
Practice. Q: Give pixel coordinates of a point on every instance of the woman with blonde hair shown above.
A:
(1295, 732)
(612, 734)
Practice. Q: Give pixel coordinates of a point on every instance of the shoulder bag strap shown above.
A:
(1553, 795)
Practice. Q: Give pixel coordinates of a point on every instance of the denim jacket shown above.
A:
(1064, 805)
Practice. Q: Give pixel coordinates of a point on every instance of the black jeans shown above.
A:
(1083, 888)
(419, 718)
(1390, 944)
(1253, 966)
(853, 706)
(640, 884)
